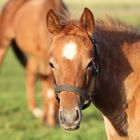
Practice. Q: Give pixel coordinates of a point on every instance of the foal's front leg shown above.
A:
(31, 71)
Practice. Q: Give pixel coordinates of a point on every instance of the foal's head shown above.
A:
(71, 57)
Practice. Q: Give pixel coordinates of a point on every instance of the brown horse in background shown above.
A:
(106, 72)
(23, 23)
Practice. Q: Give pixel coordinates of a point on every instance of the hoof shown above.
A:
(38, 113)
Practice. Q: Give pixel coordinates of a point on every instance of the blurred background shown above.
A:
(16, 122)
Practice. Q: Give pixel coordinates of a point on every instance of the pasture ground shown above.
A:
(17, 123)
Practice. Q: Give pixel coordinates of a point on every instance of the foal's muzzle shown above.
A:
(70, 120)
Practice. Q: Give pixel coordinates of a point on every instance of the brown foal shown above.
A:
(109, 67)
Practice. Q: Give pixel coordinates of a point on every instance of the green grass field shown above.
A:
(17, 123)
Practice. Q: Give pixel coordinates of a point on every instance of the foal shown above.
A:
(105, 72)
(24, 23)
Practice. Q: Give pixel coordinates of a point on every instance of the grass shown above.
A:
(17, 123)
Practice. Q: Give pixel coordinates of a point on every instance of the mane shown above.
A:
(116, 25)
(64, 16)
(113, 31)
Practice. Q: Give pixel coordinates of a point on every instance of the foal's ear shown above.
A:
(87, 21)
(53, 22)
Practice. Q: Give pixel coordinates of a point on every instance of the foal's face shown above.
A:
(70, 56)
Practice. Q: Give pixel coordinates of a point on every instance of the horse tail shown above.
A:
(19, 54)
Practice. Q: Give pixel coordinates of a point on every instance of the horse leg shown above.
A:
(50, 102)
(111, 132)
(2, 54)
(4, 44)
(30, 85)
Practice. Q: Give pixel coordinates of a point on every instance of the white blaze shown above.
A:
(70, 50)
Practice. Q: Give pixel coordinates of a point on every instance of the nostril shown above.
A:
(77, 115)
(62, 118)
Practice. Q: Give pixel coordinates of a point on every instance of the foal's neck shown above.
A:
(113, 39)
(110, 95)
(114, 68)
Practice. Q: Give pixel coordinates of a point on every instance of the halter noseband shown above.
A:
(76, 90)
(83, 93)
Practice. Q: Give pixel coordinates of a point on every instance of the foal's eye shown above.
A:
(51, 65)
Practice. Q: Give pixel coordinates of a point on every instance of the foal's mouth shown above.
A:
(71, 127)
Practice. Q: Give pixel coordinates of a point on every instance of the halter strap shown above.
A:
(73, 89)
